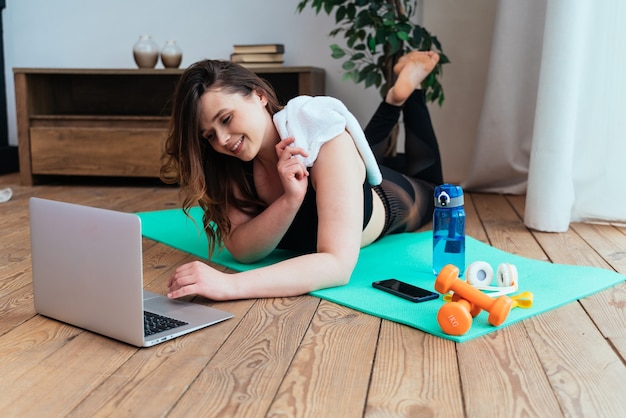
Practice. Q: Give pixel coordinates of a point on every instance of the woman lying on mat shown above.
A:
(302, 178)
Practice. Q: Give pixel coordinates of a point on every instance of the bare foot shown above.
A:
(412, 69)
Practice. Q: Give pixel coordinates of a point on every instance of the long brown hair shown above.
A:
(206, 177)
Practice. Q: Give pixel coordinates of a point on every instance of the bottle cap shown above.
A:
(448, 196)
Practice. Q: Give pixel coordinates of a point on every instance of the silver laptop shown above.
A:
(88, 272)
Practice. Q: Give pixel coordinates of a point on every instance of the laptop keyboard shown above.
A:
(153, 323)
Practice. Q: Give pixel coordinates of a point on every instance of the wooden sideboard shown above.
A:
(110, 122)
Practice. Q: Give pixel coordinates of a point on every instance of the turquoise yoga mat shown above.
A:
(407, 257)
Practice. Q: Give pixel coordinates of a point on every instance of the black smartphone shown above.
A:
(405, 290)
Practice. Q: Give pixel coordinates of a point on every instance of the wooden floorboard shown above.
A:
(415, 374)
(302, 356)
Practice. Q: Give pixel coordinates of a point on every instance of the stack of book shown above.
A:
(258, 55)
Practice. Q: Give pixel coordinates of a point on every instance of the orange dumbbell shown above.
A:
(455, 318)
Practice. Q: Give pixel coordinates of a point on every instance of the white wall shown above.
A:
(465, 30)
(100, 34)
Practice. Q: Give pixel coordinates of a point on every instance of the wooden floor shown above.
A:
(302, 356)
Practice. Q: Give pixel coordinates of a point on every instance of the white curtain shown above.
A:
(505, 129)
(554, 120)
(578, 165)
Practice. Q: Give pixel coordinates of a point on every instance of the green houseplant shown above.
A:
(377, 34)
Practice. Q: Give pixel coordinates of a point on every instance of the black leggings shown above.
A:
(408, 179)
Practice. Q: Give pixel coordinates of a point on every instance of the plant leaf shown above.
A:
(370, 79)
(348, 65)
(403, 35)
(328, 7)
(371, 44)
(357, 56)
(394, 43)
(337, 51)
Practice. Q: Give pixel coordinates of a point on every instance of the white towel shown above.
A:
(313, 121)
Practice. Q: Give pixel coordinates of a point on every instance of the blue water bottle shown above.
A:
(448, 228)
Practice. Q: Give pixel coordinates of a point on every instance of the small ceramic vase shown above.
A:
(146, 52)
(171, 55)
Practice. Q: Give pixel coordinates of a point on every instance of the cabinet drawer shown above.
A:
(96, 151)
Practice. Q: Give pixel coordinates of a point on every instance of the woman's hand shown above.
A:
(197, 278)
(293, 174)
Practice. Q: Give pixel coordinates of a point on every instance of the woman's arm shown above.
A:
(338, 176)
(254, 237)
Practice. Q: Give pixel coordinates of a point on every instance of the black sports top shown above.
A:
(302, 234)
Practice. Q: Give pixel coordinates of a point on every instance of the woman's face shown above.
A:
(234, 124)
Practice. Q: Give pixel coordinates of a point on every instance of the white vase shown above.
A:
(171, 55)
(146, 52)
